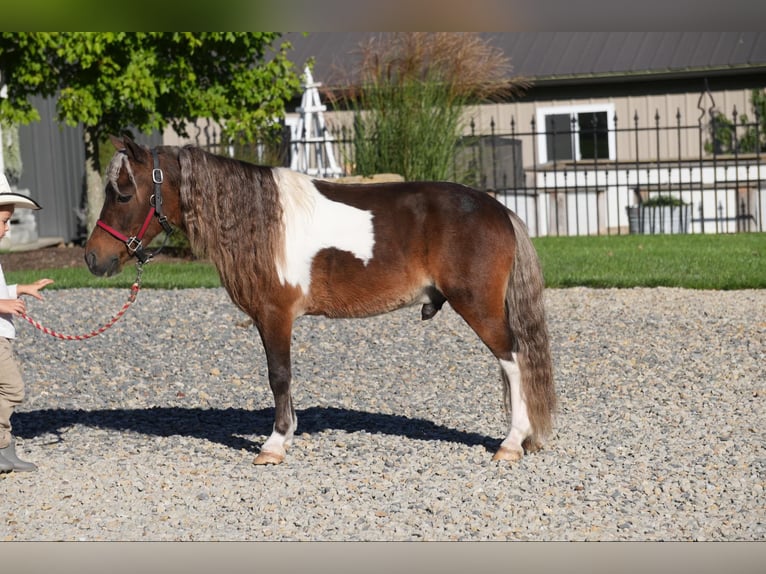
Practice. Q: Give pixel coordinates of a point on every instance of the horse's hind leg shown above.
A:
(512, 448)
(276, 341)
(486, 315)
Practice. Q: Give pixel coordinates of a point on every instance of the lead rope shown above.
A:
(131, 299)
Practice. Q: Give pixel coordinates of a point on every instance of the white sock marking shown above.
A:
(520, 427)
(277, 442)
(312, 222)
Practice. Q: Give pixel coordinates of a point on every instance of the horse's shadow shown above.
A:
(227, 426)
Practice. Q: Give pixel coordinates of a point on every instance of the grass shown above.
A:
(156, 275)
(690, 261)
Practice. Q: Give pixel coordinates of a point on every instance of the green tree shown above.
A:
(739, 134)
(108, 81)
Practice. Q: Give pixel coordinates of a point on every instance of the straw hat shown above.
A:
(7, 197)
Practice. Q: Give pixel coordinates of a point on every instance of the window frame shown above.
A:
(543, 112)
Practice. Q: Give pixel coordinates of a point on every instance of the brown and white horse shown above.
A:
(286, 245)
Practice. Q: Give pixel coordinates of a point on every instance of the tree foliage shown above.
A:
(740, 134)
(111, 81)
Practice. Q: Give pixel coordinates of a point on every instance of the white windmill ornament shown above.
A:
(312, 150)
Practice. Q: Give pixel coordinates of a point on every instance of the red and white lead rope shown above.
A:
(131, 299)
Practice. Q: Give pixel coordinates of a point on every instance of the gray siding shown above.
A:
(53, 157)
(53, 171)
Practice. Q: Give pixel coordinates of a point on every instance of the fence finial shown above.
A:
(711, 109)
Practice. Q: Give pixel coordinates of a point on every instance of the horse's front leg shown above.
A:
(276, 341)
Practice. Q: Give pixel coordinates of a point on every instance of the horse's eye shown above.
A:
(124, 198)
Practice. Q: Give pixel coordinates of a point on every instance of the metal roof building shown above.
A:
(624, 61)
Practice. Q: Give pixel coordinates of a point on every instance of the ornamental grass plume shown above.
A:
(408, 96)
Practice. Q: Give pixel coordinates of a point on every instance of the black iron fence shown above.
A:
(585, 173)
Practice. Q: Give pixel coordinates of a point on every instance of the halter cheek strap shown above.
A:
(157, 179)
(135, 243)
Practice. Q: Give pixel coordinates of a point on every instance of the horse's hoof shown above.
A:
(265, 457)
(504, 453)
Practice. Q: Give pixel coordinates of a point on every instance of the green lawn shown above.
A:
(735, 261)
(156, 275)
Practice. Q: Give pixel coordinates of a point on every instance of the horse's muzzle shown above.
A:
(103, 268)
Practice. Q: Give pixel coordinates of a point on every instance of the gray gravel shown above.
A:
(148, 431)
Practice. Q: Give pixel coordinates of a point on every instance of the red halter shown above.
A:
(135, 243)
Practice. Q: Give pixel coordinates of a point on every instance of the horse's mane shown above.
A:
(232, 214)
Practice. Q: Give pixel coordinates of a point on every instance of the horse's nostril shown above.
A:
(90, 260)
(114, 266)
(103, 269)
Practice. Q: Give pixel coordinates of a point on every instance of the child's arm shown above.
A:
(33, 289)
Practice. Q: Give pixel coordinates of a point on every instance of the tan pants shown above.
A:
(11, 389)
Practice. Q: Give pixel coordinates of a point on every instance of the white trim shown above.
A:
(541, 113)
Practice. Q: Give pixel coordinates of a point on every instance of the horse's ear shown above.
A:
(127, 145)
(135, 151)
(117, 143)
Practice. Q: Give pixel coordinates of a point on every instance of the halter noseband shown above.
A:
(134, 243)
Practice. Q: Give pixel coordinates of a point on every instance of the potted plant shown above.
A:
(659, 214)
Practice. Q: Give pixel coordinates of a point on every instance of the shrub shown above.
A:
(408, 99)
(663, 201)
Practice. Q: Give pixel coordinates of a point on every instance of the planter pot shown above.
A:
(659, 219)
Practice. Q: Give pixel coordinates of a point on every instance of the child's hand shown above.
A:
(33, 289)
(12, 306)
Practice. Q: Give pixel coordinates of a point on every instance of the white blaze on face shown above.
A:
(312, 223)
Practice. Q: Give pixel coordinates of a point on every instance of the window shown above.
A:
(567, 133)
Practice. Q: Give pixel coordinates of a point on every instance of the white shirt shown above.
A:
(7, 329)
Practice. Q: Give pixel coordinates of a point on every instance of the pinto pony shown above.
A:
(286, 245)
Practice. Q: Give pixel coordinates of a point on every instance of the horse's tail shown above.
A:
(526, 315)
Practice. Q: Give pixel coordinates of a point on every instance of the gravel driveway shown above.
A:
(148, 431)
